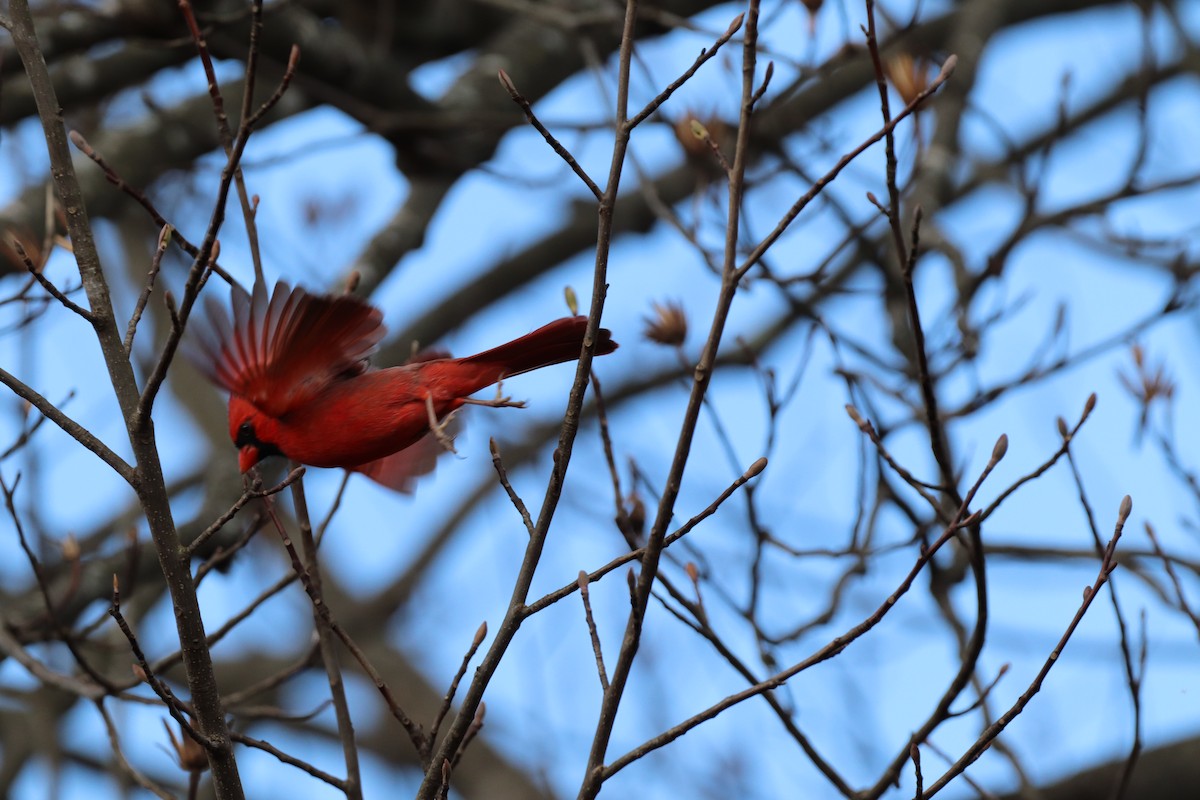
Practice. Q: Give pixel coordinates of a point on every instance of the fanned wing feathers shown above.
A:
(280, 352)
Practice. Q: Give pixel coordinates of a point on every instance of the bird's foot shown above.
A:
(440, 429)
(501, 400)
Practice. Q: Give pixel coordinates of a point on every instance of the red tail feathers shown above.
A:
(555, 343)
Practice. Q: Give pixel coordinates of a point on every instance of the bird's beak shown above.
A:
(247, 457)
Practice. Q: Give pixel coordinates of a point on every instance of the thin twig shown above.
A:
(1068, 437)
(834, 648)
(472, 703)
(175, 706)
(555, 145)
(289, 73)
(592, 632)
(45, 283)
(1108, 563)
(214, 88)
(250, 205)
(266, 747)
(472, 731)
(595, 772)
(164, 240)
(412, 728)
(1132, 676)
(1176, 585)
(114, 740)
(333, 671)
(70, 427)
(761, 248)
(916, 760)
(919, 486)
(60, 630)
(140, 198)
(252, 494)
(635, 555)
(704, 56)
(448, 698)
(502, 474)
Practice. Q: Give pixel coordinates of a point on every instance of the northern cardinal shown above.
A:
(300, 386)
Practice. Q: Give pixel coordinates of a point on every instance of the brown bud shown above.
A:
(948, 67)
(1000, 449)
(668, 326)
(77, 139)
(910, 76)
(480, 635)
(755, 468)
(70, 547)
(188, 752)
(506, 82)
(636, 513)
(857, 417)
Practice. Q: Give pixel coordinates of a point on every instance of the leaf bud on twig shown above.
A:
(755, 468)
(1000, 449)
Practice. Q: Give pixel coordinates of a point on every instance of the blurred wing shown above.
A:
(280, 353)
(399, 471)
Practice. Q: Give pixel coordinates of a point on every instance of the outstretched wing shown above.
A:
(280, 353)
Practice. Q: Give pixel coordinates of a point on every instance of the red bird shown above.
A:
(300, 386)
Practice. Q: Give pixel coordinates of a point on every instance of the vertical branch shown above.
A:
(148, 479)
(223, 130)
(594, 775)
(461, 727)
(333, 671)
(907, 258)
(971, 647)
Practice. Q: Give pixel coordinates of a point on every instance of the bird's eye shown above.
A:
(245, 434)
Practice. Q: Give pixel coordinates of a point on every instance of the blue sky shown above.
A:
(859, 707)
